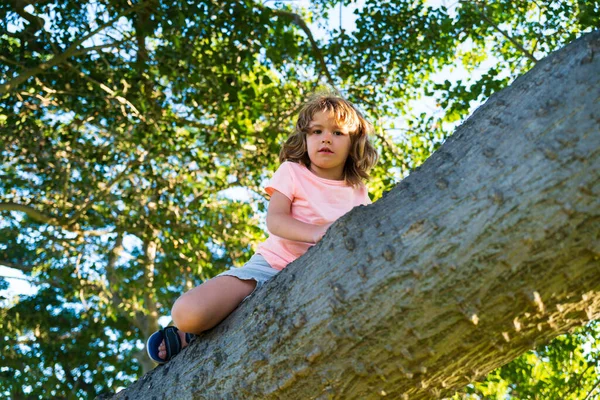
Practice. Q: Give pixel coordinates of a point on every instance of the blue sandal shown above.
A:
(172, 340)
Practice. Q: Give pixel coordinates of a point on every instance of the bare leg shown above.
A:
(208, 304)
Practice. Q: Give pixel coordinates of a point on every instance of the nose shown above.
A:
(326, 138)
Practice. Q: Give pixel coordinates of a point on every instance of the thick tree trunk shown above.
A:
(491, 248)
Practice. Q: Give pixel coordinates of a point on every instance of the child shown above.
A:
(320, 179)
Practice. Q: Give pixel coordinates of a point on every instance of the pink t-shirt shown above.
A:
(315, 200)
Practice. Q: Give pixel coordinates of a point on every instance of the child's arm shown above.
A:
(281, 223)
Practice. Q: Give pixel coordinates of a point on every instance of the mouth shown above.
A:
(325, 150)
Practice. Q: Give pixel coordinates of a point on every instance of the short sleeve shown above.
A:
(282, 181)
(366, 200)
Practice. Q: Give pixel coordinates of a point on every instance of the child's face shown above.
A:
(328, 146)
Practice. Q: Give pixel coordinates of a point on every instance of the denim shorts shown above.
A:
(257, 268)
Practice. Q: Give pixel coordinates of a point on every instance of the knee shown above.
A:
(188, 316)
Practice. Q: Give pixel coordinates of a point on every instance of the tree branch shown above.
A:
(15, 266)
(593, 389)
(298, 21)
(9, 61)
(108, 90)
(381, 135)
(89, 202)
(15, 277)
(50, 220)
(574, 385)
(111, 276)
(32, 213)
(471, 260)
(147, 319)
(28, 35)
(506, 35)
(69, 52)
(34, 20)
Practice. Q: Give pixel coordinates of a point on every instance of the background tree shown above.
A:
(124, 124)
(487, 250)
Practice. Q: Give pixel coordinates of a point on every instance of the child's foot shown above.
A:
(165, 343)
(162, 350)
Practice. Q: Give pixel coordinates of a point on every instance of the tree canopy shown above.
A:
(125, 125)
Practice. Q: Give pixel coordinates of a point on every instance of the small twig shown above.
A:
(90, 201)
(71, 51)
(592, 390)
(50, 220)
(16, 277)
(108, 90)
(298, 21)
(506, 35)
(575, 384)
(15, 266)
(9, 61)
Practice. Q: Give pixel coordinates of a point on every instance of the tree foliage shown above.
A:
(567, 368)
(124, 125)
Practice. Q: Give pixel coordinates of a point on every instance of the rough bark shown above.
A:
(491, 248)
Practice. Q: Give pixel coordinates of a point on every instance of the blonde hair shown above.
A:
(362, 156)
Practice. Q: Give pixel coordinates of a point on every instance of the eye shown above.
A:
(338, 133)
(316, 131)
